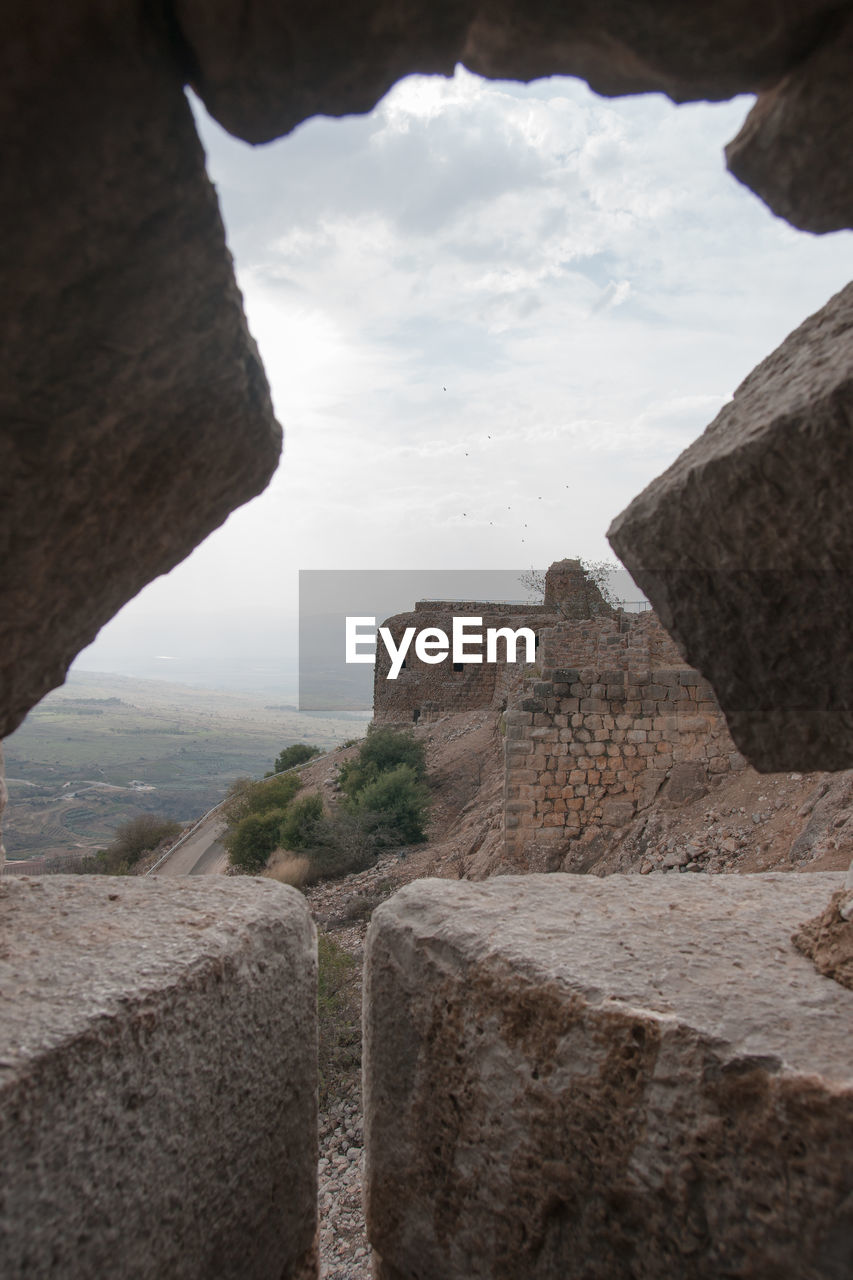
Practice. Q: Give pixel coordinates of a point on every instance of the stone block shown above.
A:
(615, 813)
(744, 548)
(157, 1079)
(136, 415)
(795, 146)
(572, 1078)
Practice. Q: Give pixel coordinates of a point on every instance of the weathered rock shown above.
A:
(157, 1079)
(704, 50)
(688, 780)
(135, 410)
(744, 548)
(794, 149)
(829, 825)
(828, 938)
(261, 67)
(627, 1077)
(4, 797)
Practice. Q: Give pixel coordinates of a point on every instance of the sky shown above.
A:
(490, 314)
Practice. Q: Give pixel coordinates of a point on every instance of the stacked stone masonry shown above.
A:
(422, 691)
(615, 715)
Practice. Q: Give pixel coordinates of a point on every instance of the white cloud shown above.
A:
(513, 302)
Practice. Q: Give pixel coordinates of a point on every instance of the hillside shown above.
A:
(740, 822)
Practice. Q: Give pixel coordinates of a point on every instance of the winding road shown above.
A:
(198, 854)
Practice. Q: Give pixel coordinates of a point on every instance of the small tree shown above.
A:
(383, 749)
(394, 805)
(297, 753)
(245, 796)
(299, 829)
(133, 839)
(252, 840)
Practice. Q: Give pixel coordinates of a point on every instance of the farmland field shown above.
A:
(105, 748)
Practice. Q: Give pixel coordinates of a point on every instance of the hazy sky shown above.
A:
(490, 314)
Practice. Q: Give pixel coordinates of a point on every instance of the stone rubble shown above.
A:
(344, 1251)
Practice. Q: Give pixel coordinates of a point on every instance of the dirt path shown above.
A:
(200, 855)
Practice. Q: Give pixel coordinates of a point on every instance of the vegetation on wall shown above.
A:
(591, 594)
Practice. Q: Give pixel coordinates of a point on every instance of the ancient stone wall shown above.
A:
(614, 715)
(424, 691)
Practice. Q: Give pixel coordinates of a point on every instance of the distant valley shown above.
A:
(105, 748)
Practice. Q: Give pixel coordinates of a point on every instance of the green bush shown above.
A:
(394, 806)
(299, 829)
(341, 844)
(382, 750)
(297, 753)
(132, 840)
(251, 841)
(245, 796)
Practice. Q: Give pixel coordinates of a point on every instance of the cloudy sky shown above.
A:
(490, 314)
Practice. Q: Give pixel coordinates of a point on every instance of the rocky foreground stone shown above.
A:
(157, 1079)
(629, 1077)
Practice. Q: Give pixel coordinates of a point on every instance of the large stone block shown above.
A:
(157, 1080)
(619, 1079)
(744, 548)
(261, 67)
(135, 411)
(794, 149)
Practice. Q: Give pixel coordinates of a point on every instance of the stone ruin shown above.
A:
(564, 1076)
(607, 715)
(615, 717)
(424, 691)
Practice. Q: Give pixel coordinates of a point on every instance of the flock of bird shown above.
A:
(509, 508)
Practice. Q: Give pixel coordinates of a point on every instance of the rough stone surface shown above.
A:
(629, 1077)
(135, 410)
(774, 153)
(828, 938)
(262, 67)
(157, 1080)
(4, 797)
(744, 548)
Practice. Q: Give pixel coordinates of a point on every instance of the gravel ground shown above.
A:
(343, 908)
(344, 1251)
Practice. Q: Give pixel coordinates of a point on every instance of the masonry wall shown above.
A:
(595, 738)
(423, 691)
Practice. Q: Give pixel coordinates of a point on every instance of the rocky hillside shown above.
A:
(742, 822)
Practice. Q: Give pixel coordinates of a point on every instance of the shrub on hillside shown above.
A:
(341, 845)
(382, 750)
(296, 753)
(384, 786)
(245, 796)
(132, 840)
(394, 806)
(251, 841)
(299, 829)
